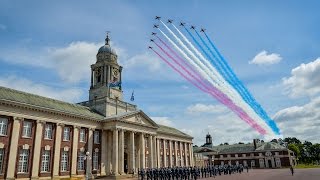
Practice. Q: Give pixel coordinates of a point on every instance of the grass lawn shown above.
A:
(302, 166)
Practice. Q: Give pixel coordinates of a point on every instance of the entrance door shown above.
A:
(125, 163)
(270, 164)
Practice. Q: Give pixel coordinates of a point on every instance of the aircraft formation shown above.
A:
(199, 61)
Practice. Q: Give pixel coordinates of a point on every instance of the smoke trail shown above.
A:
(253, 103)
(196, 66)
(214, 92)
(219, 78)
(180, 59)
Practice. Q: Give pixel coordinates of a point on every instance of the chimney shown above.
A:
(255, 144)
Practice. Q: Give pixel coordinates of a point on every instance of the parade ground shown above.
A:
(274, 174)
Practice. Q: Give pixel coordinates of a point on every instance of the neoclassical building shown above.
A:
(254, 155)
(43, 138)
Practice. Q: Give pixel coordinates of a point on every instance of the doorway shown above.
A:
(270, 164)
(125, 163)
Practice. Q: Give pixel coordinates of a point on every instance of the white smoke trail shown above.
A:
(212, 74)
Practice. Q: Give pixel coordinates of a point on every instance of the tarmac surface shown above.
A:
(267, 174)
(273, 174)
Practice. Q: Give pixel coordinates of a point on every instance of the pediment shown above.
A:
(139, 117)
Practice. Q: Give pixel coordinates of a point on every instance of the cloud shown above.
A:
(304, 80)
(145, 60)
(263, 58)
(163, 121)
(3, 27)
(225, 127)
(203, 108)
(72, 62)
(302, 122)
(68, 94)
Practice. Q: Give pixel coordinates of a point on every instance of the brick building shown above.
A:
(255, 155)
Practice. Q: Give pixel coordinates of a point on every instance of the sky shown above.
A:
(47, 47)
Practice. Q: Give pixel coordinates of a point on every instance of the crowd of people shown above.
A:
(189, 173)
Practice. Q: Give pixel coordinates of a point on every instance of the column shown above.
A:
(158, 152)
(170, 154)
(142, 152)
(105, 75)
(115, 152)
(103, 153)
(57, 146)
(121, 151)
(165, 153)
(90, 147)
(13, 148)
(190, 155)
(193, 163)
(91, 78)
(74, 150)
(176, 152)
(180, 147)
(132, 166)
(109, 152)
(185, 155)
(37, 150)
(150, 152)
(155, 156)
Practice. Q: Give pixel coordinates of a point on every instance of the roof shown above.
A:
(241, 148)
(7, 94)
(171, 130)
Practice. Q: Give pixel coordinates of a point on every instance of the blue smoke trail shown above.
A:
(207, 55)
(245, 94)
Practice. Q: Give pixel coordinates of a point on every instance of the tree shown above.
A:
(240, 143)
(295, 149)
(292, 140)
(225, 143)
(315, 152)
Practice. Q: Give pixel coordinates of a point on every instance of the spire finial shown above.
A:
(107, 38)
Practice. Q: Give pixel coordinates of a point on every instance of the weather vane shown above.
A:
(107, 38)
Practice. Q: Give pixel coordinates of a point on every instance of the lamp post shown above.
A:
(87, 158)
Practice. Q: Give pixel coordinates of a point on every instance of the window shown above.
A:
(253, 163)
(95, 161)
(48, 131)
(45, 163)
(66, 134)
(3, 126)
(64, 161)
(82, 135)
(1, 159)
(96, 137)
(81, 161)
(26, 129)
(23, 161)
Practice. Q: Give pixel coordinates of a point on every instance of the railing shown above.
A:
(117, 102)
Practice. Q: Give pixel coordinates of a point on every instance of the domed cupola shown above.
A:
(106, 53)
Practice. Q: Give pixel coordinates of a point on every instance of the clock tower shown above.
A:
(105, 94)
(106, 74)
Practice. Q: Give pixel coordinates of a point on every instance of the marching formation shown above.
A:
(200, 63)
(187, 173)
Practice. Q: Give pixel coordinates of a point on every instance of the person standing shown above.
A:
(292, 170)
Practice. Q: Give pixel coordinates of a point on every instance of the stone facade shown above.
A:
(42, 138)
